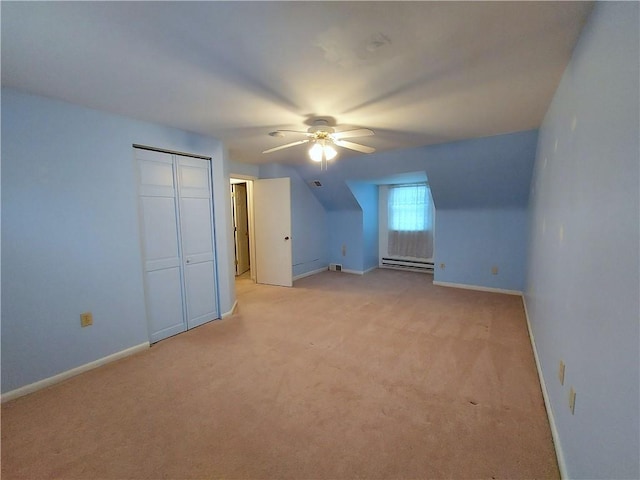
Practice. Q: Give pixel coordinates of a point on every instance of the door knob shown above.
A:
(286, 238)
(188, 260)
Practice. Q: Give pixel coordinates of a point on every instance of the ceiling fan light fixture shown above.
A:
(329, 152)
(320, 149)
(315, 152)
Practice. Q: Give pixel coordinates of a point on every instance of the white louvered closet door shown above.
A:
(176, 226)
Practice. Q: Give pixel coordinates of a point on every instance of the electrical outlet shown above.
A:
(442, 266)
(86, 319)
(572, 401)
(494, 270)
(561, 372)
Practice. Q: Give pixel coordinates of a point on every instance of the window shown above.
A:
(409, 208)
(411, 221)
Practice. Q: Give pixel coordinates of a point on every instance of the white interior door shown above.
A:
(162, 264)
(196, 226)
(272, 218)
(241, 227)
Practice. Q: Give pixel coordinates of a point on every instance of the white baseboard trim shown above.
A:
(353, 272)
(230, 312)
(47, 382)
(477, 287)
(312, 272)
(547, 404)
(358, 272)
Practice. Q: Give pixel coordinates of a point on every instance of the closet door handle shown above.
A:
(286, 238)
(188, 260)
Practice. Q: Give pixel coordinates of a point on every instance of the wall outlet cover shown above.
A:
(572, 401)
(86, 319)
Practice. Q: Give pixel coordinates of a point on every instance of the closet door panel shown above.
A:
(161, 244)
(160, 232)
(196, 226)
(155, 173)
(194, 176)
(164, 303)
(200, 290)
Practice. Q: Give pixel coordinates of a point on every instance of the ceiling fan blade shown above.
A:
(354, 146)
(360, 132)
(297, 131)
(293, 144)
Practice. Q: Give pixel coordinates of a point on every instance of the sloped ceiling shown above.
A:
(484, 173)
(417, 73)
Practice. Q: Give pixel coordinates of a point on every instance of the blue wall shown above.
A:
(485, 172)
(471, 242)
(583, 280)
(346, 229)
(70, 238)
(480, 188)
(243, 169)
(309, 227)
(356, 230)
(367, 196)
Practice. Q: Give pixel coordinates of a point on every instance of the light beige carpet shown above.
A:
(343, 376)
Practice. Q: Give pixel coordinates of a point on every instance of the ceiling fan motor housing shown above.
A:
(321, 129)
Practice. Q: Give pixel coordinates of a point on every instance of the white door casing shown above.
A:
(272, 217)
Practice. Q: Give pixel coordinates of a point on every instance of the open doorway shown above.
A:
(240, 217)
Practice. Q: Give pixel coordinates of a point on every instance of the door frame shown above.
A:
(250, 213)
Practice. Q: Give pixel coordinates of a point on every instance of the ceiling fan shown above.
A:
(323, 138)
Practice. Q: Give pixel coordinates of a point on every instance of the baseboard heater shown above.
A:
(404, 264)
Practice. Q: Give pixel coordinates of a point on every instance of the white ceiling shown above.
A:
(417, 73)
